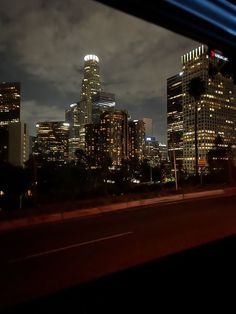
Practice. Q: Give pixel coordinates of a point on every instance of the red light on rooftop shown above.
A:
(212, 53)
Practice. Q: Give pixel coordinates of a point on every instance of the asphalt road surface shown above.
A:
(44, 259)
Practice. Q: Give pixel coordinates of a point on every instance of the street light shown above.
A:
(175, 170)
(172, 146)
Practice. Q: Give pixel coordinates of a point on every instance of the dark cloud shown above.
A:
(44, 42)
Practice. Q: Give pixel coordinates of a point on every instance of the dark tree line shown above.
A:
(43, 181)
(52, 182)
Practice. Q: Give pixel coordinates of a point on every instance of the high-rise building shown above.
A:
(152, 151)
(18, 151)
(175, 119)
(14, 137)
(109, 137)
(90, 86)
(51, 143)
(136, 136)
(104, 98)
(215, 108)
(14, 143)
(73, 118)
(114, 130)
(10, 98)
(101, 102)
(94, 146)
(93, 102)
(148, 126)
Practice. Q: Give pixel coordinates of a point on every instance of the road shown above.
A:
(39, 260)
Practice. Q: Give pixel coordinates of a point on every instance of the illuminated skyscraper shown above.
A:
(148, 126)
(175, 119)
(9, 103)
(18, 151)
(136, 137)
(51, 143)
(90, 86)
(216, 108)
(152, 151)
(108, 138)
(93, 102)
(14, 137)
(102, 102)
(72, 117)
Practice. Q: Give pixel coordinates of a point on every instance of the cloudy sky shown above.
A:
(43, 43)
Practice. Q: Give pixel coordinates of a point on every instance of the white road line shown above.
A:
(118, 235)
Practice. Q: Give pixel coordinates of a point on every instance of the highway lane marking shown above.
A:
(118, 235)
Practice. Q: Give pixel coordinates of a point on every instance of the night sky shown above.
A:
(43, 43)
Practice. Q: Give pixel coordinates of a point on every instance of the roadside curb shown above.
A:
(80, 213)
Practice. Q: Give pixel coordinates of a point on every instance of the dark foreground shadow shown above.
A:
(191, 280)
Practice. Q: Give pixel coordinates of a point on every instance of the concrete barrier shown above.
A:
(24, 222)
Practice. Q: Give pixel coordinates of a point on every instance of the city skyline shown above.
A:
(136, 57)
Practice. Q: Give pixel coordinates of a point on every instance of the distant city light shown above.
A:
(37, 125)
(66, 124)
(73, 105)
(150, 139)
(29, 193)
(2, 193)
(135, 181)
(109, 181)
(181, 73)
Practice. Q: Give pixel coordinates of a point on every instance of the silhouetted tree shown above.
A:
(196, 88)
(220, 160)
(14, 184)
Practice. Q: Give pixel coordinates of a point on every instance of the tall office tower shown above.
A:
(18, 152)
(94, 146)
(90, 86)
(175, 120)
(216, 108)
(114, 130)
(73, 118)
(101, 102)
(148, 126)
(10, 97)
(51, 143)
(31, 141)
(14, 137)
(108, 138)
(152, 151)
(136, 136)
